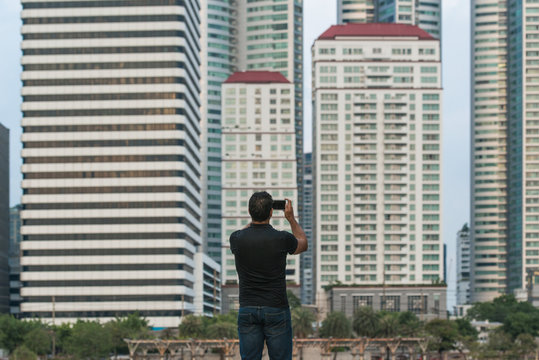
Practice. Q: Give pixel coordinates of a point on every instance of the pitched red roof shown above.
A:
(257, 77)
(375, 29)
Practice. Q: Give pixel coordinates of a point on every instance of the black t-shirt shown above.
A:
(260, 252)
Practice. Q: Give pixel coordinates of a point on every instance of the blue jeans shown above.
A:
(259, 323)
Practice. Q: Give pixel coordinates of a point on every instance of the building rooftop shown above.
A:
(375, 30)
(257, 77)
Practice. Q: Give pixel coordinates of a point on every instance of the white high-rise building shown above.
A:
(306, 263)
(463, 266)
(259, 154)
(377, 155)
(111, 159)
(489, 163)
(427, 14)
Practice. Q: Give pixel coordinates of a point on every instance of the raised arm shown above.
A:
(296, 228)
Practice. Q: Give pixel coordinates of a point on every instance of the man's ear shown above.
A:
(271, 213)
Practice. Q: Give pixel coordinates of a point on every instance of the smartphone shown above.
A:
(279, 204)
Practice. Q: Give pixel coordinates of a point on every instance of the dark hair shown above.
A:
(260, 205)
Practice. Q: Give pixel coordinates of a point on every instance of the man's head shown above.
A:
(260, 206)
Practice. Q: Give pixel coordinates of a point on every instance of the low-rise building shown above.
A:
(427, 302)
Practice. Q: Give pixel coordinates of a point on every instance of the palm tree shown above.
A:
(365, 322)
(302, 322)
(336, 325)
(389, 324)
(191, 327)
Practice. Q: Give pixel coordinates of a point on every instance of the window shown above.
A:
(416, 305)
(390, 303)
(362, 301)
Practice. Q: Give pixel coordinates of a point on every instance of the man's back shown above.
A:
(260, 252)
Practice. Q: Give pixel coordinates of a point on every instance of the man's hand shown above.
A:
(289, 211)
(296, 228)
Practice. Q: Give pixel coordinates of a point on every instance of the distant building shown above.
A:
(306, 219)
(426, 15)
(207, 285)
(377, 156)
(259, 153)
(463, 266)
(532, 287)
(111, 159)
(15, 259)
(243, 35)
(427, 302)
(4, 219)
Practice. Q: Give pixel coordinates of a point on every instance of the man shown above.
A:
(260, 252)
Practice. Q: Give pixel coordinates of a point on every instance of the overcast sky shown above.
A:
(318, 16)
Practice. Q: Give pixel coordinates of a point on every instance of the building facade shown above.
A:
(426, 302)
(207, 285)
(15, 260)
(4, 219)
(306, 258)
(243, 35)
(489, 206)
(463, 266)
(218, 59)
(258, 154)
(425, 14)
(376, 155)
(111, 217)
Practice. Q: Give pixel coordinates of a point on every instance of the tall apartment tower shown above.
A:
(306, 259)
(463, 266)
(489, 139)
(4, 219)
(219, 58)
(270, 37)
(259, 153)
(248, 36)
(376, 155)
(425, 14)
(111, 159)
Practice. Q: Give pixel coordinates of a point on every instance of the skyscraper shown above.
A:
(425, 14)
(306, 258)
(258, 154)
(463, 266)
(111, 159)
(376, 155)
(489, 153)
(243, 35)
(4, 219)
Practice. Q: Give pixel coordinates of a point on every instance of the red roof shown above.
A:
(257, 77)
(375, 29)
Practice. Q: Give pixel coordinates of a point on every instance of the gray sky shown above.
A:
(318, 16)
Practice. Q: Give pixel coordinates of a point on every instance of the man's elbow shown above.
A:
(303, 245)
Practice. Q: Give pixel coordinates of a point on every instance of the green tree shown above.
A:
(12, 332)
(62, 333)
(525, 345)
(293, 300)
(409, 324)
(133, 326)
(389, 325)
(23, 353)
(366, 322)
(89, 340)
(192, 327)
(38, 340)
(521, 323)
(500, 345)
(302, 322)
(443, 335)
(336, 325)
(221, 330)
